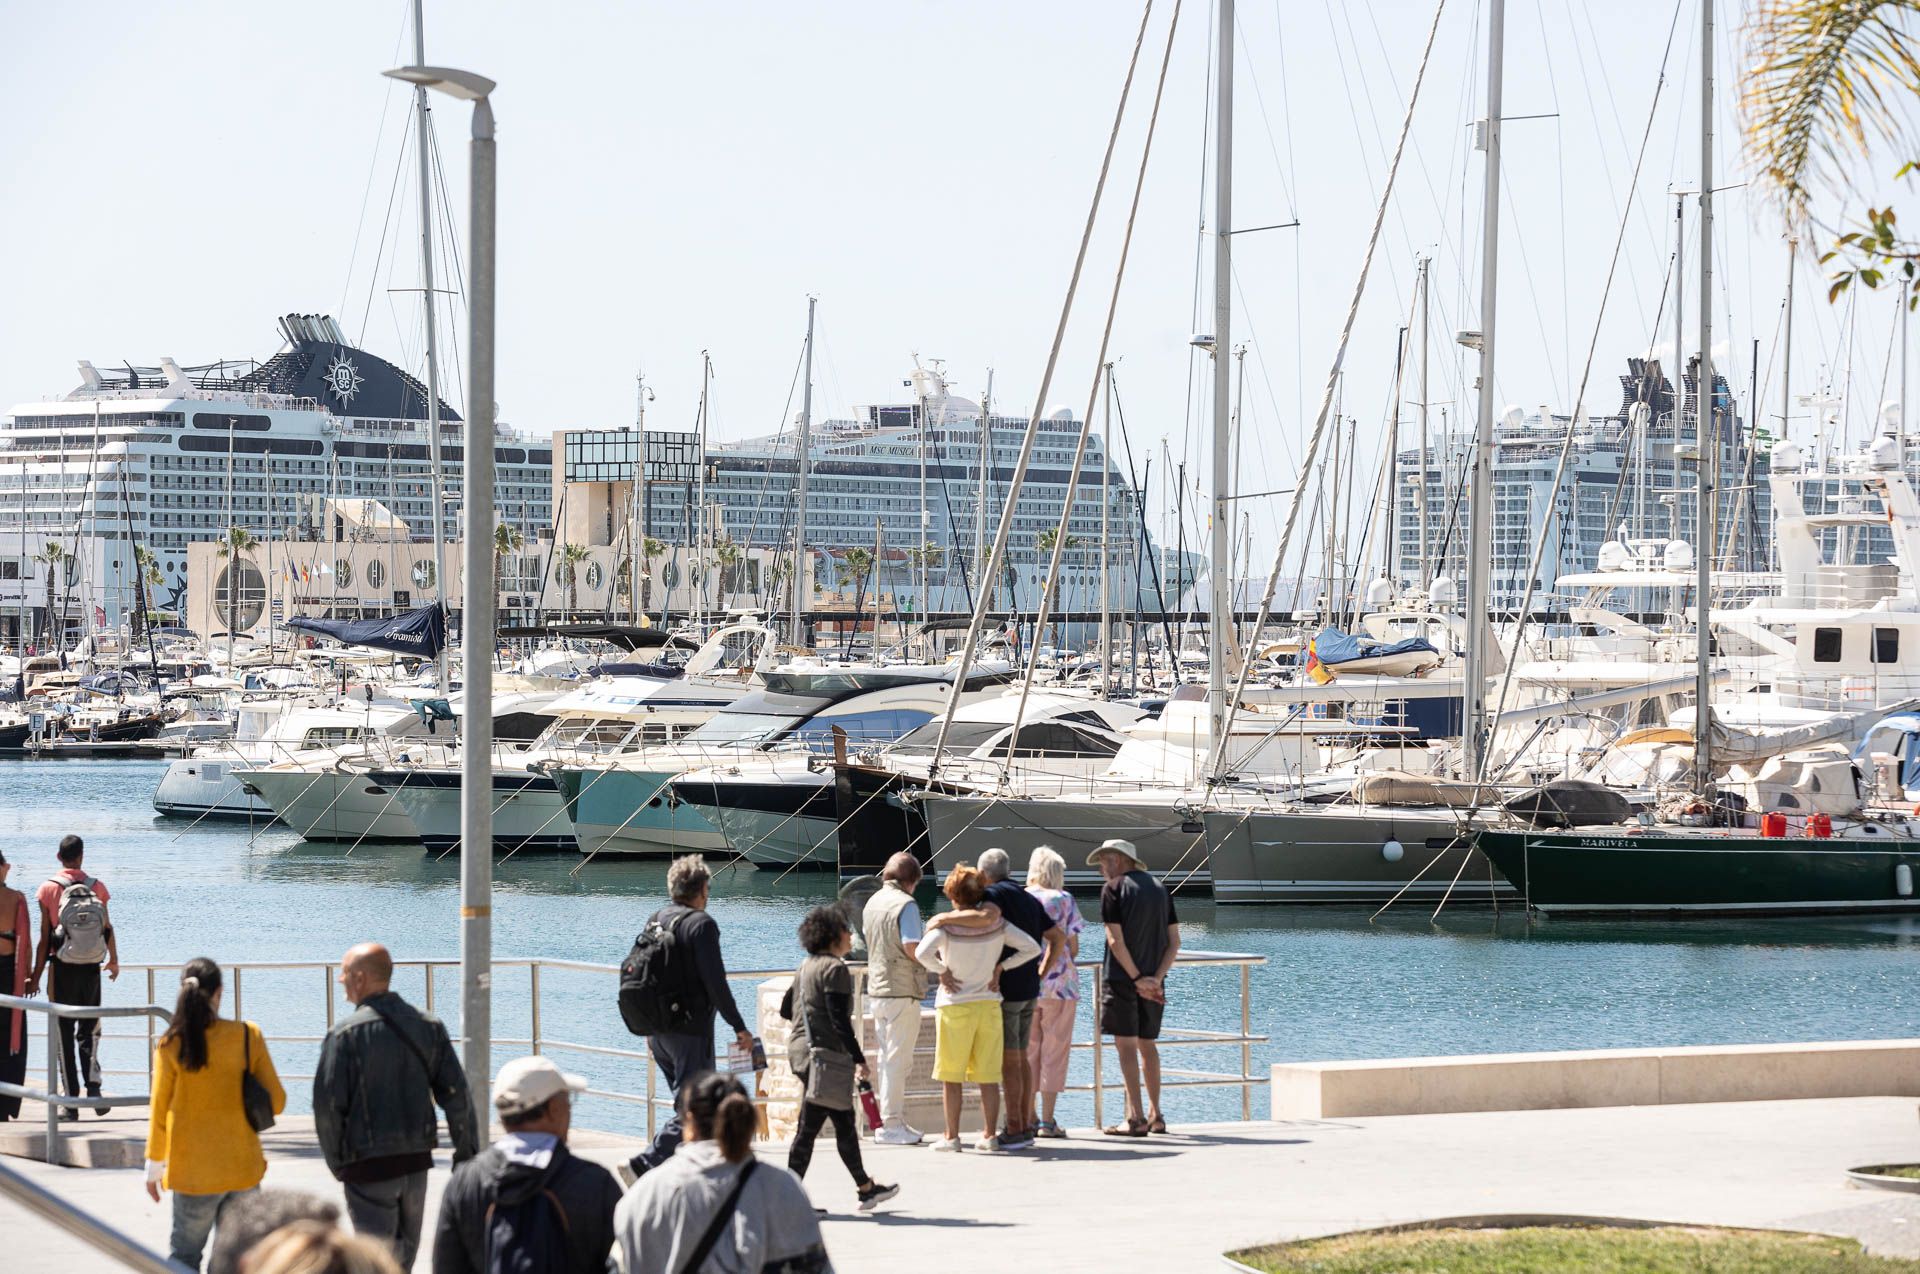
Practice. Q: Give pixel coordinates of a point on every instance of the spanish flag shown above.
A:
(1315, 669)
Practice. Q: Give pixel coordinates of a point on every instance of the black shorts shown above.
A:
(1124, 1013)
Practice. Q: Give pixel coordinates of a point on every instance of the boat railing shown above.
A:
(534, 1016)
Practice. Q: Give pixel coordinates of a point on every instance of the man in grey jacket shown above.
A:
(381, 1070)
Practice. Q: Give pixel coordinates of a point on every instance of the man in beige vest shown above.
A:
(896, 983)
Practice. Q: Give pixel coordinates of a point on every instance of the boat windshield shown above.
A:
(965, 736)
(744, 727)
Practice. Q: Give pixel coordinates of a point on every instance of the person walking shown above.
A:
(682, 1054)
(1143, 940)
(382, 1068)
(16, 945)
(526, 1202)
(200, 1144)
(713, 1208)
(896, 984)
(1019, 991)
(967, 1019)
(76, 942)
(1052, 1045)
(824, 1050)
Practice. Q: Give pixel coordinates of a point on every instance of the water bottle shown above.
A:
(870, 1105)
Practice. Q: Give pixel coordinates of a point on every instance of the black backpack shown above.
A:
(658, 995)
(528, 1238)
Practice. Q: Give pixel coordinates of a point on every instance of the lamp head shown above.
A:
(464, 85)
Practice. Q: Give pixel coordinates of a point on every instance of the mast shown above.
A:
(1220, 637)
(699, 603)
(424, 131)
(920, 549)
(1479, 556)
(1426, 570)
(1786, 359)
(1704, 516)
(1106, 503)
(1678, 374)
(980, 503)
(803, 453)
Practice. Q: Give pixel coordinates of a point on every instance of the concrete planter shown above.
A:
(1876, 1177)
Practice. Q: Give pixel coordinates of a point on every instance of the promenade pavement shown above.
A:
(1105, 1204)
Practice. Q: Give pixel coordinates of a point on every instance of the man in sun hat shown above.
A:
(1143, 939)
(526, 1199)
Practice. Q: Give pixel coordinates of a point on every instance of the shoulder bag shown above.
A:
(698, 1256)
(255, 1101)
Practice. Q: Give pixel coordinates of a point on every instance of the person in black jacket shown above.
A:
(527, 1193)
(381, 1070)
(696, 940)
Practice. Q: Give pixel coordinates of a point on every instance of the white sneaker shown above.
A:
(897, 1135)
(948, 1143)
(987, 1143)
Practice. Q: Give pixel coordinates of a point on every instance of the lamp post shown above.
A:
(476, 528)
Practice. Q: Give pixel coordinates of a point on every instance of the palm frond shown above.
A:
(1828, 78)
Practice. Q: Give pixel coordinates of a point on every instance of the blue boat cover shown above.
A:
(1334, 647)
(421, 632)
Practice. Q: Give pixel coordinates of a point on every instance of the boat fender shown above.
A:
(1393, 851)
(1903, 880)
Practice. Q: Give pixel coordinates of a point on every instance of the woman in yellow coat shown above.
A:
(199, 1144)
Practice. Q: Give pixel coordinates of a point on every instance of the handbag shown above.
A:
(255, 1101)
(829, 1078)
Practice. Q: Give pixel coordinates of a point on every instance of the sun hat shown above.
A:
(1115, 846)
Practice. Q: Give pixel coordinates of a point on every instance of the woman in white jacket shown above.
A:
(967, 1045)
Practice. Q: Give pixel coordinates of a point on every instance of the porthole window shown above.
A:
(596, 576)
(342, 572)
(423, 574)
(245, 610)
(376, 573)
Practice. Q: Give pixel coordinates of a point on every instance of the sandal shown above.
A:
(1158, 1126)
(1049, 1129)
(1132, 1128)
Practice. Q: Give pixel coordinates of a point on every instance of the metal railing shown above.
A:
(83, 1225)
(539, 1039)
(51, 1095)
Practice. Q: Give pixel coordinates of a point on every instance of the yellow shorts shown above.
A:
(966, 1043)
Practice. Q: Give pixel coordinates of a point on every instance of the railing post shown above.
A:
(55, 1154)
(149, 1030)
(1099, 1107)
(650, 1132)
(429, 986)
(533, 972)
(1246, 1041)
(326, 991)
(238, 1016)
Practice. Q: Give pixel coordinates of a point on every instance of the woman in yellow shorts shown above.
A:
(968, 962)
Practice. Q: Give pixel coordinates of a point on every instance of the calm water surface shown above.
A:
(1336, 983)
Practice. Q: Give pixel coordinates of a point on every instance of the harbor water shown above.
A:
(1337, 982)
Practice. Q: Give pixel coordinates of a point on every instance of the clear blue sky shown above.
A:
(677, 177)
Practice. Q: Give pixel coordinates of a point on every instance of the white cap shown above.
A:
(527, 1083)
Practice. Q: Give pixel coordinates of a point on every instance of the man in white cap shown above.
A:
(1143, 940)
(526, 1202)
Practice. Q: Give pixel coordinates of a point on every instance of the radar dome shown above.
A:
(1614, 556)
(1380, 593)
(1442, 592)
(1679, 555)
(1060, 411)
(1787, 457)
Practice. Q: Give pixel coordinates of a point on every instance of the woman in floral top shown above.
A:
(1059, 1001)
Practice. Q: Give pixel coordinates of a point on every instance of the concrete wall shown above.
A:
(1598, 1077)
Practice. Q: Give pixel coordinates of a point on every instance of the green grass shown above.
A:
(1592, 1250)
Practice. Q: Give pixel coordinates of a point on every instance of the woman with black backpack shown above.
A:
(825, 1052)
(214, 1091)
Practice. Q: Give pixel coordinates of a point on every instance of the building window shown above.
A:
(1886, 645)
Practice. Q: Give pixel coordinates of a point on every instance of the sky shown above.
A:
(677, 178)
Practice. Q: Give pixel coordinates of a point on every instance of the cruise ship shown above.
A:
(161, 457)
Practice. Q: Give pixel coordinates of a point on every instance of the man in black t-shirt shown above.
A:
(1143, 940)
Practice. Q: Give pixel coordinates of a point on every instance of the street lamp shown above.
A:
(476, 528)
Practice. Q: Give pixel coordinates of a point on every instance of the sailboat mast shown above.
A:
(803, 454)
(1786, 354)
(423, 131)
(1426, 357)
(980, 503)
(698, 604)
(1704, 433)
(1106, 556)
(1220, 638)
(1480, 495)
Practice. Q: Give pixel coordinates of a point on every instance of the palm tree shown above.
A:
(1830, 78)
(1044, 543)
(855, 566)
(507, 541)
(235, 547)
(727, 554)
(146, 578)
(571, 555)
(53, 556)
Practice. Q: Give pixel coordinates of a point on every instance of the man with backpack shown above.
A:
(76, 942)
(382, 1068)
(671, 985)
(526, 1203)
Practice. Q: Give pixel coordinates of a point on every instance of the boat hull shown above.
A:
(529, 810)
(634, 813)
(1310, 855)
(195, 788)
(1624, 872)
(333, 804)
(784, 824)
(1170, 844)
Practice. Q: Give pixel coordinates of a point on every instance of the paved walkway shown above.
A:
(1102, 1204)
